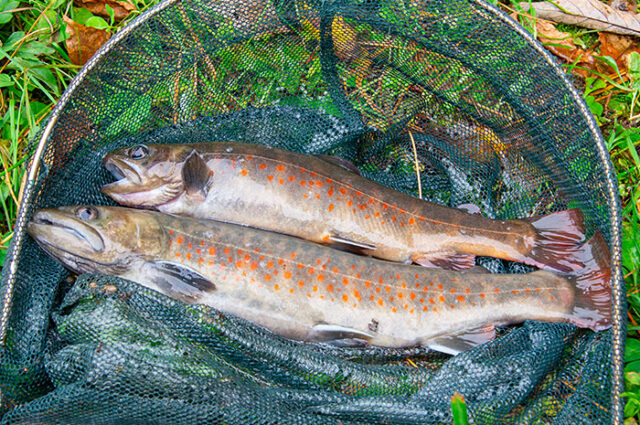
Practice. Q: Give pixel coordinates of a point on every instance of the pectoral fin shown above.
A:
(339, 335)
(455, 344)
(196, 175)
(470, 208)
(340, 162)
(446, 260)
(179, 281)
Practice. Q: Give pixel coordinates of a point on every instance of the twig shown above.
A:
(415, 157)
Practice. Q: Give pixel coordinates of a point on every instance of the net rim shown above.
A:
(9, 272)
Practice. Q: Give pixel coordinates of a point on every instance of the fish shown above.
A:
(309, 292)
(324, 199)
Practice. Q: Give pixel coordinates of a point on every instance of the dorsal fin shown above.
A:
(340, 162)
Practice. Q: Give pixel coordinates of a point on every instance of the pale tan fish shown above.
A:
(310, 292)
(321, 201)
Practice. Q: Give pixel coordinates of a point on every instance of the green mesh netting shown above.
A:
(493, 123)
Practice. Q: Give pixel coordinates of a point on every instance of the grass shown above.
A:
(35, 70)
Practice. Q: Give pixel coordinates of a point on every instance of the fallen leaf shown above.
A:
(624, 5)
(592, 14)
(560, 44)
(121, 9)
(618, 47)
(82, 42)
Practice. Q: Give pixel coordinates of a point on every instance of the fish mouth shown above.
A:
(64, 233)
(127, 178)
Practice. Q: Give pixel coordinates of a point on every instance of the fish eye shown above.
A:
(87, 213)
(138, 152)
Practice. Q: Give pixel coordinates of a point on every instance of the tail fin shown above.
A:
(592, 303)
(557, 238)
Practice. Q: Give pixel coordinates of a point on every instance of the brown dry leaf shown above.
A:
(591, 14)
(624, 5)
(121, 9)
(548, 33)
(83, 42)
(618, 47)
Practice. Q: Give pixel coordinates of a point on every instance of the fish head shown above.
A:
(95, 239)
(148, 175)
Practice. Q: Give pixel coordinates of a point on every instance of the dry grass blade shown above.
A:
(417, 164)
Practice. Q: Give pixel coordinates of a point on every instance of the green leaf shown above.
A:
(635, 368)
(609, 61)
(634, 66)
(136, 113)
(631, 408)
(111, 13)
(596, 108)
(4, 7)
(632, 350)
(459, 410)
(631, 248)
(97, 22)
(81, 15)
(5, 80)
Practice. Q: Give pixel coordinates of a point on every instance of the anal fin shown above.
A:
(446, 260)
(350, 243)
(455, 344)
(340, 336)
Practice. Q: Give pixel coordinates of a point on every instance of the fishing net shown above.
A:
(446, 100)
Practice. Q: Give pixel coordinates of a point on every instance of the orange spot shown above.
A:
(412, 296)
(269, 178)
(482, 295)
(343, 190)
(468, 291)
(453, 291)
(452, 306)
(301, 266)
(287, 274)
(362, 206)
(356, 294)
(281, 181)
(387, 288)
(528, 291)
(461, 298)
(377, 214)
(537, 289)
(179, 240)
(325, 238)
(335, 270)
(302, 182)
(230, 259)
(189, 245)
(315, 289)
(371, 297)
(330, 288)
(281, 261)
(400, 295)
(404, 285)
(243, 172)
(440, 286)
(345, 298)
(201, 260)
(345, 280)
(380, 281)
(293, 255)
(198, 251)
(329, 181)
(239, 264)
(497, 291)
(240, 252)
(188, 256)
(441, 298)
(270, 264)
(268, 277)
(320, 277)
(378, 290)
(394, 310)
(291, 178)
(202, 243)
(227, 250)
(380, 301)
(171, 232)
(330, 207)
(254, 265)
(424, 308)
(263, 166)
(367, 284)
(302, 170)
(276, 286)
(330, 191)
(435, 309)
(371, 200)
(515, 291)
(301, 283)
(552, 298)
(474, 304)
(390, 298)
(412, 221)
(311, 270)
(350, 202)
(291, 290)
(177, 254)
(358, 193)
(211, 263)
(453, 280)
(249, 157)
(280, 168)
(431, 301)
